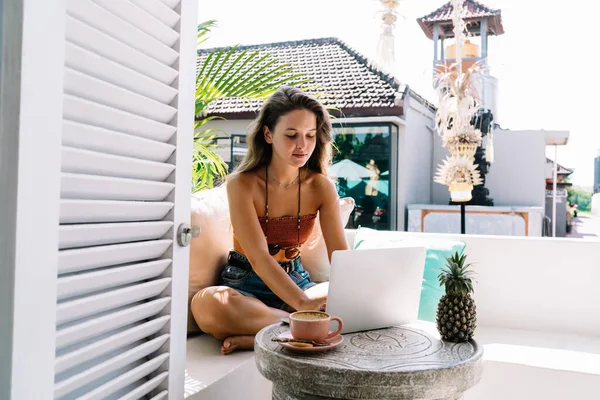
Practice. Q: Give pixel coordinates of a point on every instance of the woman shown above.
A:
(274, 197)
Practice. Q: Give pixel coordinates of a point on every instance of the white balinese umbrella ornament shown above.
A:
(460, 174)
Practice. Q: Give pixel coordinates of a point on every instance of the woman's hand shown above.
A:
(317, 304)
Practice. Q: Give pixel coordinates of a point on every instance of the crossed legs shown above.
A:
(234, 318)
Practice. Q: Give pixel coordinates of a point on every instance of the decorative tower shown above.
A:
(479, 22)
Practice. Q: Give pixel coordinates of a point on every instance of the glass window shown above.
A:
(361, 166)
(232, 149)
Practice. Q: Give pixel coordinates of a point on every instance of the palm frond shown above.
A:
(206, 165)
(249, 75)
(204, 29)
(201, 122)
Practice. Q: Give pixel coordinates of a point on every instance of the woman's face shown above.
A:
(294, 137)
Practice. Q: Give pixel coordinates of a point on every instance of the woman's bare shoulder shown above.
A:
(323, 186)
(241, 181)
(320, 181)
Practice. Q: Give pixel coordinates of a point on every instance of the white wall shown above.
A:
(418, 160)
(516, 178)
(596, 204)
(522, 283)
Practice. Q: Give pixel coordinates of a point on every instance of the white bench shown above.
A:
(212, 376)
(538, 319)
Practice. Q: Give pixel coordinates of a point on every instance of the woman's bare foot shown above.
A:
(233, 343)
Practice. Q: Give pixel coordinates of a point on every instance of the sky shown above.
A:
(545, 61)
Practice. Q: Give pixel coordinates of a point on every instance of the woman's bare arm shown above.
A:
(244, 220)
(331, 220)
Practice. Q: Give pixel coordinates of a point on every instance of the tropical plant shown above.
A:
(230, 73)
(581, 197)
(456, 317)
(346, 144)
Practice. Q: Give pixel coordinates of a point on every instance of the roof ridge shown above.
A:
(436, 11)
(322, 40)
(483, 6)
(449, 6)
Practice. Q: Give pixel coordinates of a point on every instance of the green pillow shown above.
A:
(437, 251)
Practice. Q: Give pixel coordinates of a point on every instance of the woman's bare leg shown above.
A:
(232, 317)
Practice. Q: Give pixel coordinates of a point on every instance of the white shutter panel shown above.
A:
(125, 186)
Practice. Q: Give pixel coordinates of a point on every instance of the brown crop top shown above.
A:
(284, 230)
(288, 231)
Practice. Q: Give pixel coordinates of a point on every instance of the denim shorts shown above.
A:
(239, 275)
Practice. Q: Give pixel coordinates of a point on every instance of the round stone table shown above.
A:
(392, 363)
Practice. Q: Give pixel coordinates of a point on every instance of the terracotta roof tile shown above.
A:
(475, 11)
(350, 77)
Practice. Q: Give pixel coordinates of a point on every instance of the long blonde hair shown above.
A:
(283, 101)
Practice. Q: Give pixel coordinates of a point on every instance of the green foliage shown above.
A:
(204, 29)
(456, 276)
(346, 146)
(581, 197)
(207, 164)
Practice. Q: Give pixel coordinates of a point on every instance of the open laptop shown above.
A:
(375, 288)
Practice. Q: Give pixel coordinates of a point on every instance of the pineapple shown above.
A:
(456, 317)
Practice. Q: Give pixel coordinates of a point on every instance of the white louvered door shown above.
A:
(124, 189)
